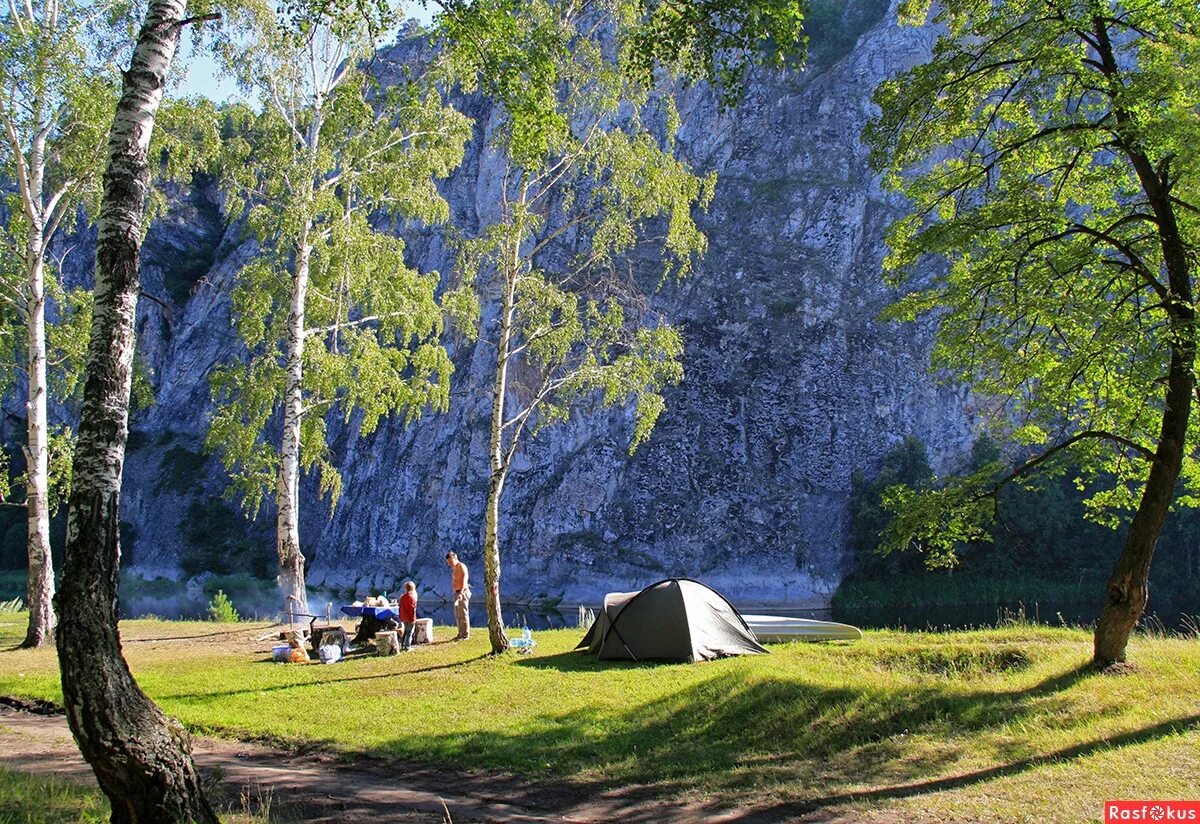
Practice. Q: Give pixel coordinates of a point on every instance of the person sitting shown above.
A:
(408, 613)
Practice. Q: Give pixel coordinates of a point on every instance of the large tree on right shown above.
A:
(1048, 150)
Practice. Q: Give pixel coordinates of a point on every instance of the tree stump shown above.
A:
(387, 643)
(423, 631)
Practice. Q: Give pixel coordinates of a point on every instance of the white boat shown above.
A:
(776, 629)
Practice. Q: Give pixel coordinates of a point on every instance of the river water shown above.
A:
(1162, 616)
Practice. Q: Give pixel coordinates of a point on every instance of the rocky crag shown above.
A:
(792, 381)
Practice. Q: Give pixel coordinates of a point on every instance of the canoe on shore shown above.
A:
(776, 629)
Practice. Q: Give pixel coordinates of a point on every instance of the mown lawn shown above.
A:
(1004, 724)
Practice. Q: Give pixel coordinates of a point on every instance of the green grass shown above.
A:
(1004, 724)
(36, 799)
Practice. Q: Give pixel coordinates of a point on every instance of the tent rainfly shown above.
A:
(674, 620)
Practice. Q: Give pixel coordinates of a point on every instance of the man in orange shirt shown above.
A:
(408, 613)
(462, 595)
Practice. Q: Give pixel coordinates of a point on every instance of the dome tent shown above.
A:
(677, 619)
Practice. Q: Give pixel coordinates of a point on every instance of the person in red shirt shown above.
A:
(408, 613)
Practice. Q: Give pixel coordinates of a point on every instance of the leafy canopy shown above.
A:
(330, 155)
(1025, 147)
(589, 175)
(59, 79)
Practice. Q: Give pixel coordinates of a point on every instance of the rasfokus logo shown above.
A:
(1151, 811)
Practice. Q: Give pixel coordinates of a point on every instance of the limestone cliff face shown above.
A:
(792, 381)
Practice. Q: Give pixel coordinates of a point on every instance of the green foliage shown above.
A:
(833, 27)
(1035, 149)
(180, 469)
(715, 40)
(314, 172)
(590, 174)
(906, 465)
(220, 609)
(219, 540)
(1037, 546)
(60, 90)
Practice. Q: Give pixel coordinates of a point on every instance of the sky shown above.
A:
(203, 76)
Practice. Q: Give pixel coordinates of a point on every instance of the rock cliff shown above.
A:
(792, 381)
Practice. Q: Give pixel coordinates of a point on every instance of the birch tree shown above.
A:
(332, 316)
(141, 758)
(57, 93)
(589, 173)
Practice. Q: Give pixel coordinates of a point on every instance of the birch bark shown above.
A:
(499, 461)
(291, 560)
(31, 186)
(141, 758)
(41, 572)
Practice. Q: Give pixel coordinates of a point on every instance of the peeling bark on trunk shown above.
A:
(287, 495)
(141, 758)
(41, 571)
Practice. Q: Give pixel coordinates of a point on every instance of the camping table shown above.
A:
(378, 613)
(372, 619)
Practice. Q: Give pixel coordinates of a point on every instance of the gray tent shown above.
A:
(674, 620)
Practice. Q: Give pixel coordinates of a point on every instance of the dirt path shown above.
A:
(319, 787)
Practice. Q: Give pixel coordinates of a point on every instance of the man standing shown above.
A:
(462, 595)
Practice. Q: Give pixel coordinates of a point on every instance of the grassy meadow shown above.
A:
(1005, 723)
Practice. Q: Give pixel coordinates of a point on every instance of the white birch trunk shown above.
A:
(41, 572)
(141, 758)
(291, 561)
(499, 464)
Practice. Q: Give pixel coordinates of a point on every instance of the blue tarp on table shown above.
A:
(378, 613)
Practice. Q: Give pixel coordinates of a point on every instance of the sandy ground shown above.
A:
(317, 787)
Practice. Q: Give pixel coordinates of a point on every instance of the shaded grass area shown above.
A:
(29, 799)
(1006, 722)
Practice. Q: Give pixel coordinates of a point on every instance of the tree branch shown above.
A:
(1034, 463)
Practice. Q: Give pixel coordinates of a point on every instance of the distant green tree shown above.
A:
(59, 80)
(907, 464)
(588, 173)
(333, 317)
(57, 101)
(1047, 150)
(221, 609)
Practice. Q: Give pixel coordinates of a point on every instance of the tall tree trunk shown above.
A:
(1128, 588)
(41, 570)
(291, 561)
(499, 467)
(141, 758)
(491, 565)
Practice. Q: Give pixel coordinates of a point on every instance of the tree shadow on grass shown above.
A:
(203, 694)
(1167, 728)
(730, 733)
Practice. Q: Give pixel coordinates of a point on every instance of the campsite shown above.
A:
(632, 410)
(899, 726)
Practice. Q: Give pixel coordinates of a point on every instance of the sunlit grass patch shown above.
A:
(920, 723)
